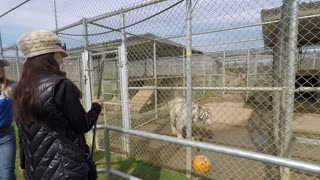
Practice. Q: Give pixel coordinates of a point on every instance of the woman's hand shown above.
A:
(100, 102)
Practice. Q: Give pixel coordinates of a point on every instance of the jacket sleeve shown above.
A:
(67, 98)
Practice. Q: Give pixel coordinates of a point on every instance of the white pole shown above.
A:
(255, 70)
(247, 74)
(55, 15)
(87, 79)
(155, 77)
(189, 85)
(184, 70)
(224, 72)
(86, 66)
(17, 63)
(290, 82)
(86, 72)
(124, 85)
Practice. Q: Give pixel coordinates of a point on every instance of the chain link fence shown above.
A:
(255, 68)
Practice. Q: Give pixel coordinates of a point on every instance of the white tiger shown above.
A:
(178, 115)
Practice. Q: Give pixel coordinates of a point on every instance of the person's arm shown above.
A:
(67, 98)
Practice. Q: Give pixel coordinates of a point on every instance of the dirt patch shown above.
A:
(230, 128)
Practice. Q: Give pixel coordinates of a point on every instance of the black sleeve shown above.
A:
(22, 155)
(67, 98)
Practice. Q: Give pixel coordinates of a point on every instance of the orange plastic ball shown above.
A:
(201, 164)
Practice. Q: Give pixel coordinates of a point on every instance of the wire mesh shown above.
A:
(235, 44)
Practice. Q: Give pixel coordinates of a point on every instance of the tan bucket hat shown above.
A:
(40, 42)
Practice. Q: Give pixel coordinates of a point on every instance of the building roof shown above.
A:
(309, 26)
(141, 47)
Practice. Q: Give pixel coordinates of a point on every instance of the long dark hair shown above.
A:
(26, 96)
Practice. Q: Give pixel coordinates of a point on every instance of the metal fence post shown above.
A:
(1, 48)
(279, 78)
(55, 16)
(17, 63)
(107, 150)
(314, 59)
(80, 73)
(189, 84)
(155, 77)
(124, 85)
(86, 65)
(247, 72)
(184, 69)
(291, 47)
(87, 79)
(224, 72)
(86, 72)
(255, 70)
(175, 68)
(117, 73)
(204, 79)
(170, 67)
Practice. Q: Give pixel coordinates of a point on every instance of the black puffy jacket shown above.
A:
(42, 156)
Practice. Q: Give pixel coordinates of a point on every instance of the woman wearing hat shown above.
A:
(7, 136)
(50, 117)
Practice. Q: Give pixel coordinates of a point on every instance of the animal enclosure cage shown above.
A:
(253, 64)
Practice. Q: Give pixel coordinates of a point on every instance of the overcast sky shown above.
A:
(208, 15)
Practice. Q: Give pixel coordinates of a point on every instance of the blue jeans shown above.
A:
(7, 155)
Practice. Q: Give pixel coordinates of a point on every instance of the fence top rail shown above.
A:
(299, 165)
(109, 14)
(275, 89)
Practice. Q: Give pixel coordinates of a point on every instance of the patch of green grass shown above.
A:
(136, 168)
